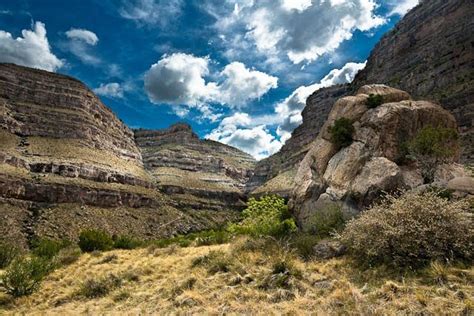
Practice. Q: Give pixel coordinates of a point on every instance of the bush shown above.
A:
(214, 261)
(432, 147)
(93, 288)
(212, 237)
(24, 275)
(374, 100)
(412, 230)
(341, 132)
(126, 242)
(303, 245)
(48, 248)
(326, 221)
(92, 240)
(268, 216)
(67, 256)
(8, 253)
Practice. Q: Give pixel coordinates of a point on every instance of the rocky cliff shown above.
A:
(429, 54)
(374, 162)
(68, 163)
(196, 173)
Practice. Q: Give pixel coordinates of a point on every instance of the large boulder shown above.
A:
(355, 176)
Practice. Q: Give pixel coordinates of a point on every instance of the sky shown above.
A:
(238, 71)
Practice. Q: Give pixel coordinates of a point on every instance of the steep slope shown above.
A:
(429, 54)
(197, 173)
(68, 163)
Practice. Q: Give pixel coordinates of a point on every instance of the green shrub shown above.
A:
(303, 245)
(92, 240)
(341, 132)
(24, 275)
(374, 100)
(412, 230)
(212, 237)
(48, 248)
(8, 252)
(67, 256)
(93, 288)
(126, 242)
(268, 216)
(326, 221)
(432, 147)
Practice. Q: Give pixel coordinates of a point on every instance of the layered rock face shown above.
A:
(197, 173)
(430, 54)
(275, 174)
(68, 163)
(354, 176)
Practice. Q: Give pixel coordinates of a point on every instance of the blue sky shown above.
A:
(238, 71)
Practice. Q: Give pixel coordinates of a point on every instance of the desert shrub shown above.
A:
(93, 288)
(212, 237)
(303, 245)
(341, 132)
(327, 220)
(412, 230)
(24, 275)
(92, 240)
(180, 240)
(374, 100)
(214, 261)
(267, 216)
(67, 256)
(282, 273)
(8, 252)
(126, 242)
(48, 248)
(432, 147)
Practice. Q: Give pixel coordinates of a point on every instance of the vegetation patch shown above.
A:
(94, 288)
(374, 100)
(327, 220)
(341, 132)
(8, 252)
(95, 240)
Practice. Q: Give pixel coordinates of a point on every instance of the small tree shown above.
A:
(341, 132)
(374, 100)
(432, 147)
(268, 216)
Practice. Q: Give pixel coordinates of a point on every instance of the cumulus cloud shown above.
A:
(402, 7)
(180, 79)
(32, 49)
(151, 12)
(111, 90)
(80, 43)
(239, 130)
(290, 109)
(83, 35)
(301, 30)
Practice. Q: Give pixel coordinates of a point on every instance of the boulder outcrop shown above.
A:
(354, 176)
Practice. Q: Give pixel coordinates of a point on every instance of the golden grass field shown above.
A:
(241, 278)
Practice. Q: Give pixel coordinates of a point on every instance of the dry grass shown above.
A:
(246, 280)
(281, 183)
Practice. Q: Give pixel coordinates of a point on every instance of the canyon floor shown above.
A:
(242, 277)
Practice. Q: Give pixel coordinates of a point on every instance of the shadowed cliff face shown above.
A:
(429, 54)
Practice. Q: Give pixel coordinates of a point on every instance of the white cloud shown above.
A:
(31, 50)
(152, 12)
(301, 30)
(239, 131)
(83, 35)
(402, 7)
(80, 43)
(290, 109)
(241, 84)
(111, 90)
(180, 79)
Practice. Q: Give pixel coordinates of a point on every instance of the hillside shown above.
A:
(169, 281)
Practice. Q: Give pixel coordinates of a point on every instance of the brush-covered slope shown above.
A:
(197, 173)
(68, 163)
